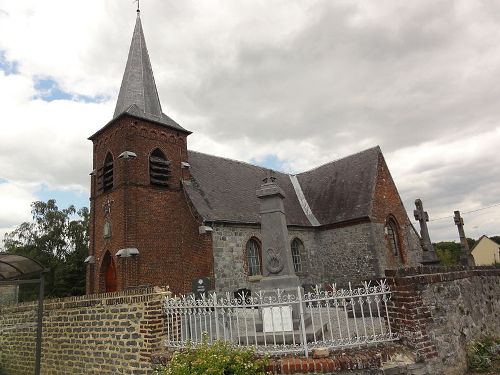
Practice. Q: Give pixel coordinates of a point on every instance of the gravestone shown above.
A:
(429, 256)
(201, 286)
(466, 258)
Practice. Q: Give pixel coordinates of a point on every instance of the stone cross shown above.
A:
(466, 258)
(429, 255)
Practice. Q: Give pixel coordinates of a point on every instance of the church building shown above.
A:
(164, 215)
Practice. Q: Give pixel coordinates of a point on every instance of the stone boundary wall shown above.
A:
(109, 333)
(437, 311)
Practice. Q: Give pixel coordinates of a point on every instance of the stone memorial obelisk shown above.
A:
(429, 256)
(277, 262)
(466, 258)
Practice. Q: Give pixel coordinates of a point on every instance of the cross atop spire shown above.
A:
(138, 6)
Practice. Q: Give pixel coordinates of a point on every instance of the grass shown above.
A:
(483, 356)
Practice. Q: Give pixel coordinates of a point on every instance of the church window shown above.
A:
(297, 248)
(392, 236)
(253, 257)
(159, 168)
(107, 173)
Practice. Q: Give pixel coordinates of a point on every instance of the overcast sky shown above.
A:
(282, 83)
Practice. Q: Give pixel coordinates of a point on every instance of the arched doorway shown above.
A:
(109, 273)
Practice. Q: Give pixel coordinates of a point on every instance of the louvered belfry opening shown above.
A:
(105, 175)
(159, 168)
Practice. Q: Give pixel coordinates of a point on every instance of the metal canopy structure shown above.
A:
(14, 267)
(17, 270)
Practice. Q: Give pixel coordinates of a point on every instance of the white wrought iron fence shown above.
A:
(281, 322)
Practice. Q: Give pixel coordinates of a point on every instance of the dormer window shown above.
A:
(159, 168)
(107, 173)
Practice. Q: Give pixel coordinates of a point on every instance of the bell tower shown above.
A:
(142, 228)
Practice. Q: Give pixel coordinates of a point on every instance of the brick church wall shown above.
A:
(111, 333)
(155, 220)
(387, 204)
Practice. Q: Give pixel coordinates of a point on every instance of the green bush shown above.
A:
(219, 358)
(481, 355)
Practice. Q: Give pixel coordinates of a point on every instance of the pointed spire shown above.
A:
(138, 84)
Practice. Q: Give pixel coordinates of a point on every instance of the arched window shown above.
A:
(391, 229)
(297, 248)
(253, 257)
(107, 173)
(159, 168)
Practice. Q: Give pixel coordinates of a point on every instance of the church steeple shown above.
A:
(138, 93)
(138, 84)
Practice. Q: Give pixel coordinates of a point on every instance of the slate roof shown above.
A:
(138, 95)
(342, 190)
(223, 190)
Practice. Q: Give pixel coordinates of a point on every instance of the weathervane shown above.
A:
(138, 5)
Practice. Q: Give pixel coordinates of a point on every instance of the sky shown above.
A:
(286, 84)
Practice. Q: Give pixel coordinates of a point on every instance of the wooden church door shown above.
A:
(110, 277)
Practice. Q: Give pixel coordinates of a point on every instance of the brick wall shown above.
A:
(387, 204)
(156, 220)
(111, 333)
(437, 311)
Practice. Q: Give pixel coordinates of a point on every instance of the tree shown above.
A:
(59, 240)
(448, 252)
(496, 239)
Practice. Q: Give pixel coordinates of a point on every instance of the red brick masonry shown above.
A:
(350, 359)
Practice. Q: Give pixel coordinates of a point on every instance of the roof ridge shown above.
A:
(342, 158)
(240, 162)
(290, 174)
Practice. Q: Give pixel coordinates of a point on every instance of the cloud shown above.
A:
(15, 200)
(286, 83)
(43, 147)
(459, 175)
